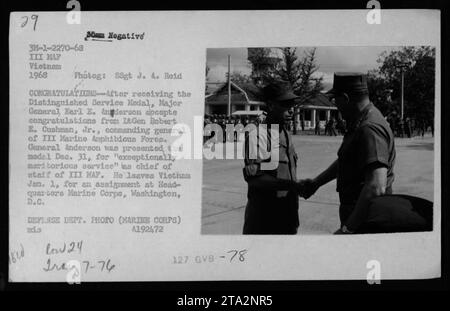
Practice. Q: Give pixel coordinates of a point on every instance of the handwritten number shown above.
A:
(87, 265)
(110, 266)
(35, 17)
(234, 255)
(241, 254)
(25, 22)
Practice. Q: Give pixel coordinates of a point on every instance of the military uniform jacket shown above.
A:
(370, 141)
(277, 209)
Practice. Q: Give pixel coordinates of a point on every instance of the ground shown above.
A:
(224, 189)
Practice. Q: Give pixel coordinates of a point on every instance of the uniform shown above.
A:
(370, 141)
(271, 211)
(368, 144)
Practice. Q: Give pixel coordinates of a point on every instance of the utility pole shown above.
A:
(402, 67)
(401, 94)
(229, 86)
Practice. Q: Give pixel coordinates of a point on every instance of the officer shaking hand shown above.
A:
(364, 168)
(273, 188)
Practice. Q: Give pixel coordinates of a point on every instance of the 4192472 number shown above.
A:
(147, 229)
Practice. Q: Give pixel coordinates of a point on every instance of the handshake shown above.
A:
(306, 188)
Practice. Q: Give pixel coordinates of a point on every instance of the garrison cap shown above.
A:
(348, 82)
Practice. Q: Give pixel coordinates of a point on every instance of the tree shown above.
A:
(380, 92)
(300, 74)
(419, 79)
(268, 66)
(263, 65)
(239, 78)
(420, 89)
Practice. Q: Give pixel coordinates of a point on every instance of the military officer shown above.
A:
(272, 206)
(365, 165)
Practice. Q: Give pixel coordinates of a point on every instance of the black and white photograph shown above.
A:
(225, 146)
(356, 140)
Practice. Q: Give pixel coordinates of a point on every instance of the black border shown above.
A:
(178, 289)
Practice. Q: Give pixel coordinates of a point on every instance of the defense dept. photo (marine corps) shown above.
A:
(319, 140)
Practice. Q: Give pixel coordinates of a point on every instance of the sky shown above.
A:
(329, 59)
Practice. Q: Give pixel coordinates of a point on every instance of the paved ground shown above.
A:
(224, 189)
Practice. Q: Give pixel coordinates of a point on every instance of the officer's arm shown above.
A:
(309, 186)
(374, 186)
(326, 176)
(265, 181)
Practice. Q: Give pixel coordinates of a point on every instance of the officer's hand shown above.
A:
(251, 169)
(309, 187)
(299, 187)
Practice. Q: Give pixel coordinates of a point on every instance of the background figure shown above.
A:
(401, 128)
(422, 127)
(239, 129)
(341, 126)
(223, 125)
(229, 126)
(261, 118)
(408, 128)
(327, 127)
(214, 134)
(246, 121)
(317, 128)
(331, 127)
(206, 121)
(432, 128)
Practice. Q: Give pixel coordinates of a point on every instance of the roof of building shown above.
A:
(244, 93)
(249, 93)
(319, 101)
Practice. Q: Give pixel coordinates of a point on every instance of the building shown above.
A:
(245, 96)
(318, 108)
